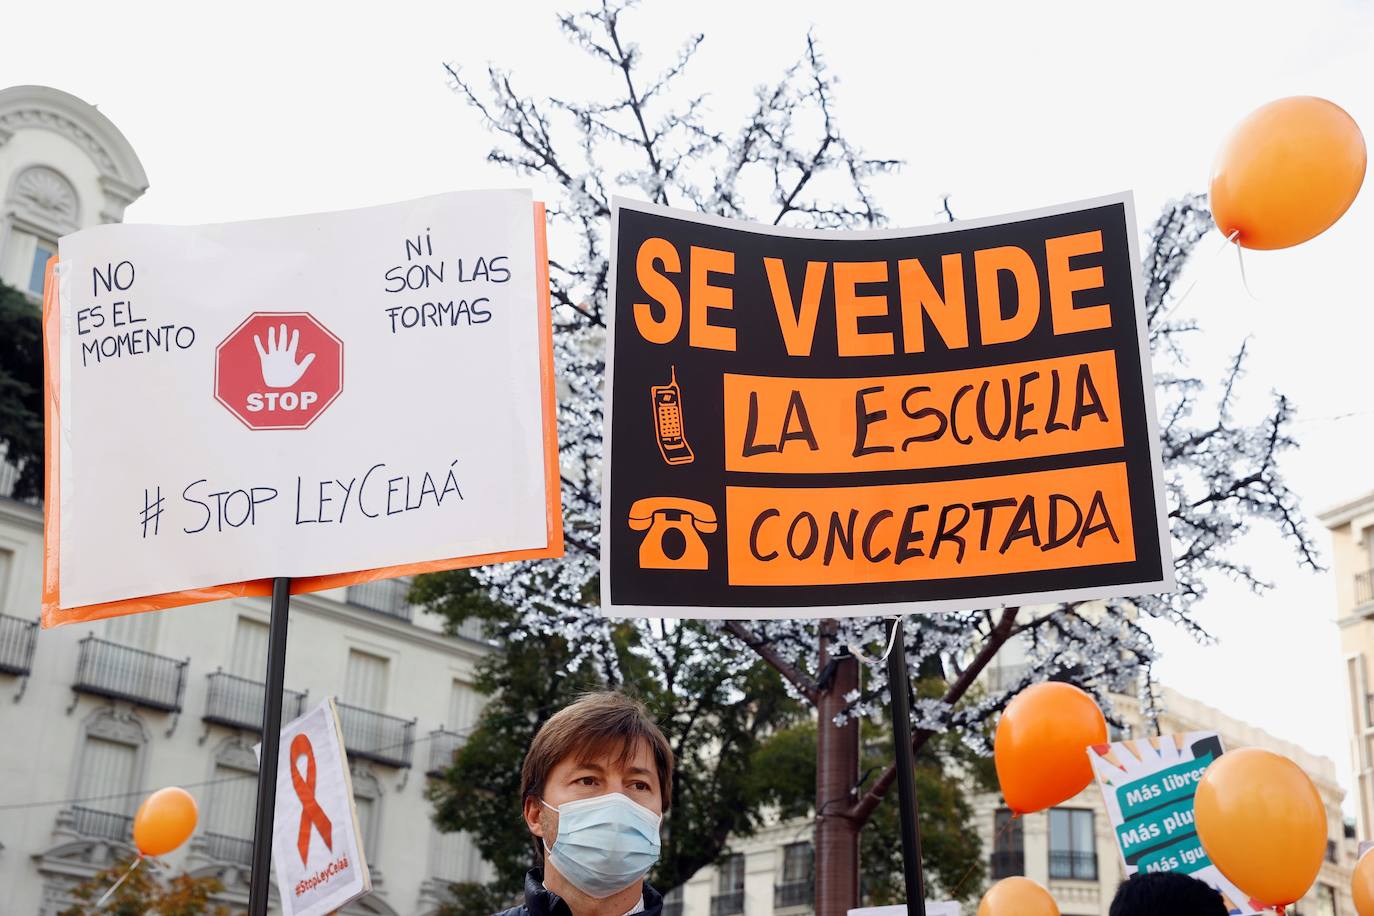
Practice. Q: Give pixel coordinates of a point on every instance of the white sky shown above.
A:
(254, 109)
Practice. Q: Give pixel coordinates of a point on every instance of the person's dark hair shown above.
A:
(596, 724)
(1168, 893)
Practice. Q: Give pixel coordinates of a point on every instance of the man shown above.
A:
(596, 782)
(1168, 893)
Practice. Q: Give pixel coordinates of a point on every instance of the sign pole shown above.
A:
(898, 684)
(261, 879)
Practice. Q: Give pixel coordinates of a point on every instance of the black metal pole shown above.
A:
(261, 881)
(898, 684)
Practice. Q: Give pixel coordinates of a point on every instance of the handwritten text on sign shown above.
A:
(315, 395)
(823, 421)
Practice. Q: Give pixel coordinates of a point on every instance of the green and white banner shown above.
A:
(1148, 786)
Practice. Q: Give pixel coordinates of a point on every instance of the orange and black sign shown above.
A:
(804, 423)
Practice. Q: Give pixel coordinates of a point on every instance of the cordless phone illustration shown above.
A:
(672, 442)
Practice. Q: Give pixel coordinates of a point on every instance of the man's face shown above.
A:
(571, 779)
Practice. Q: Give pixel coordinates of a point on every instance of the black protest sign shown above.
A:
(806, 423)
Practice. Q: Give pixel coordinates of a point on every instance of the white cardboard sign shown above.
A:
(305, 396)
(316, 847)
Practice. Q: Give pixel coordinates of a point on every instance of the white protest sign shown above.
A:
(933, 908)
(1148, 787)
(310, 396)
(319, 860)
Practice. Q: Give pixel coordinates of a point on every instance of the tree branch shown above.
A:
(766, 652)
(863, 809)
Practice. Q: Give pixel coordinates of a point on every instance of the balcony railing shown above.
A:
(1364, 587)
(1008, 862)
(16, 644)
(107, 669)
(104, 824)
(385, 596)
(377, 737)
(223, 848)
(1078, 866)
(794, 893)
(730, 904)
(237, 702)
(443, 744)
(672, 907)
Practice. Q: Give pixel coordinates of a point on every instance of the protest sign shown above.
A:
(813, 423)
(933, 908)
(316, 848)
(333, 398)
(1148, 787)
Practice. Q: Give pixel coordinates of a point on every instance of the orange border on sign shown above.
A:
(54, 615)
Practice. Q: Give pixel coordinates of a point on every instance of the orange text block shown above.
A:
(1057, 519)
(938, 419)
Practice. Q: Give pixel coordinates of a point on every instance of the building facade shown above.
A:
(98, 715)
(1352, 555)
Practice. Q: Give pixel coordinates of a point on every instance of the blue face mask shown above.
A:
(605, 843)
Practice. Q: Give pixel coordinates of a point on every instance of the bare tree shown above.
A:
(789, 163)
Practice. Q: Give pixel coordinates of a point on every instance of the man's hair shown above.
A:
(595, 725)
(1166, 892)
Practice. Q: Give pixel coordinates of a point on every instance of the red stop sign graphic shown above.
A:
(278, 370)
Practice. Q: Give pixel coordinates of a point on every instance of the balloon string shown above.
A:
(122, 878)
(1015, 816)
(1244, 282)
(1179, 301)
(891, 641)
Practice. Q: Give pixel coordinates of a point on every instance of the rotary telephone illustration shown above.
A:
(674, 528)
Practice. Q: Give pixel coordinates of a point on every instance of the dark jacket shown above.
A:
(540, 901)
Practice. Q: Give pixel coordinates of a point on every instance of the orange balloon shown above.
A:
(164, 821)
(1362, 885)
(1017, 897)
(1041, 745)
(1262, 823)
(1287, 172)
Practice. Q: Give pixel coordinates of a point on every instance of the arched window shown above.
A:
(367, 795)
(109, 771)
(231, 803)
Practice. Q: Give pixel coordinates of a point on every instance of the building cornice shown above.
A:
(1346, 512)
(46, 108)
(24, 515)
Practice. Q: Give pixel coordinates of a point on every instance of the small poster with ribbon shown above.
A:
(317, 848)
(1148, 787)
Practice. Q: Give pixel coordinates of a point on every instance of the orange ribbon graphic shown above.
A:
(311, 812)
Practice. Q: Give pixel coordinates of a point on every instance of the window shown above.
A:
(137, 631)
(672, 902)
(41, 253)
(6, 561)
(731, 875)
(105, 788)
(107, 769)
(797, 861)
(1073, 850)
(729, 897)
(797, 885)
(233, 801)
(1008, 845)
(365, 682)
(462, 707)
(367, 797)
(455, 857)
(367, 816)
(248, 658)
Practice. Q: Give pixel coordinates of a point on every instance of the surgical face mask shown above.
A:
(605, 843)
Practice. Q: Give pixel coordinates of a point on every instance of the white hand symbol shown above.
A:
(279, 366)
